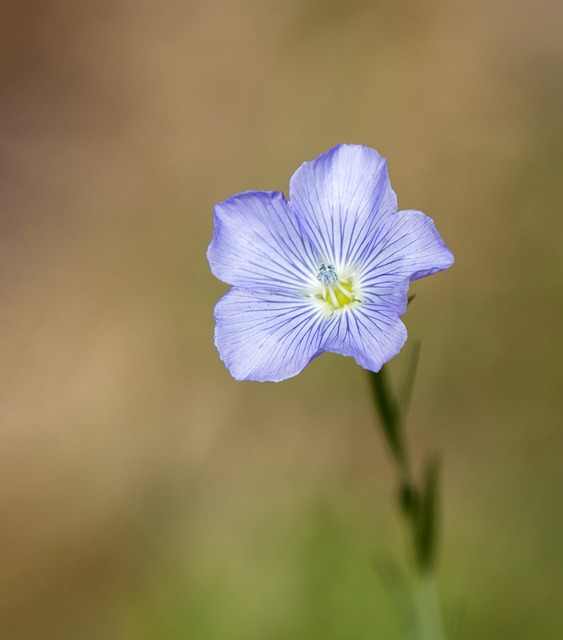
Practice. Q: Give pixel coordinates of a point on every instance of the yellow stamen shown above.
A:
(338, 295)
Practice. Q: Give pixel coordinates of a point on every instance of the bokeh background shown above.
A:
(144, 494)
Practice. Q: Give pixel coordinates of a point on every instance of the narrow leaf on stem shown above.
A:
(427, 523)
(389, 412)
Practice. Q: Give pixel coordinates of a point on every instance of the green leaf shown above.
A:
(427, 530)
(409, 500)
(388, 411)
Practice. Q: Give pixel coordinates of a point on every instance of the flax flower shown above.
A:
(326, 270)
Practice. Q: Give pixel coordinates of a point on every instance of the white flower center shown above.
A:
(335, 293)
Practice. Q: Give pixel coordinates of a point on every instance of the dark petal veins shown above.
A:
(372, 334)
(257, 243)
(267, 336)
(339, 198)
(406, 245)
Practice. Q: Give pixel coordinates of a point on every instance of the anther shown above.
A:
(327, 275)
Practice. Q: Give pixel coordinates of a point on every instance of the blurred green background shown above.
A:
(146, 495)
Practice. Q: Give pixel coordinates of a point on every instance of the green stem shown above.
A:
(427, 623)
(417, 505)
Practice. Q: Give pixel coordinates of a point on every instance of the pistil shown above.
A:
(335, 292)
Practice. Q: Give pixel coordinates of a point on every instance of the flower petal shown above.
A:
(339, 197)
(257, 243)
(372, 334)
(266, 336)
(406, 245)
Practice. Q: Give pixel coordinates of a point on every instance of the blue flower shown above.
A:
(326, 270)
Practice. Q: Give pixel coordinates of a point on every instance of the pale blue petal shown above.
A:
(388, 290)
(266, 336)
(339, 198)
(406, 245)
(371, 333)
(257, 243)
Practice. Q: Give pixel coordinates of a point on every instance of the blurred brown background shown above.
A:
(145, 494)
